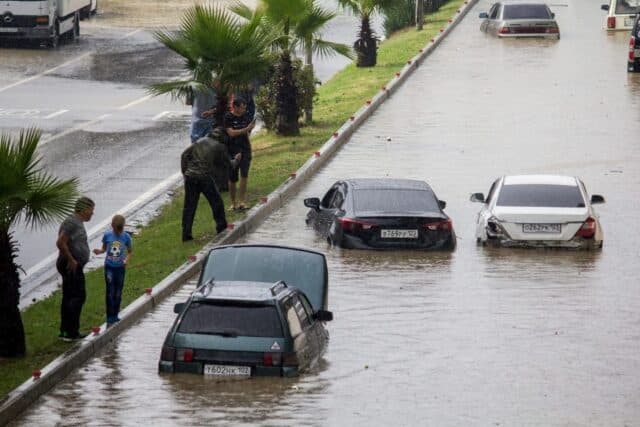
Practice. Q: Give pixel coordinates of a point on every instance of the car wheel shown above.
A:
(85, 12)
(330, 241)
(55, 38)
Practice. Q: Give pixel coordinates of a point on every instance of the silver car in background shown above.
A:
(510, 19)
(538, 211)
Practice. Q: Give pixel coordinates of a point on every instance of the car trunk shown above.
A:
(530, 26)
(527, 223)
(382, 230)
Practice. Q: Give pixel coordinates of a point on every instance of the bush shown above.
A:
(266, 97)
(403, 14)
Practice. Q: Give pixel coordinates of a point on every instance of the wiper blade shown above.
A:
(221, 333)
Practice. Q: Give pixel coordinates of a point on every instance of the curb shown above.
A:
(42, 381)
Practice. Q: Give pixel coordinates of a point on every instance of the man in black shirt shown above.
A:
(238, 126)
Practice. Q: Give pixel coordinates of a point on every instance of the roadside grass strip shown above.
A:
(158, 249)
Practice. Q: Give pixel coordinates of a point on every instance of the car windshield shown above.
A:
(230, 320)
(541, 195)
(394, 200)
(526, 11)
(625, 7)
(305, 270)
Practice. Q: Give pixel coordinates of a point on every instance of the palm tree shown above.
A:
(300, 23)
(219, 52)
(29, 195)
(367, 43)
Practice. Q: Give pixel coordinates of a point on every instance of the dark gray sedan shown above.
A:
(510, 19)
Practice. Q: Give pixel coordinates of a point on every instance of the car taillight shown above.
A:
(553, 29)
(354, 225)
(44, 20)
(445, 225)
(289, 359)
(588, 229)
(505, 30)
(632, 45)
(611, 22)
(168, 353)
(272, 359)
(185, 355)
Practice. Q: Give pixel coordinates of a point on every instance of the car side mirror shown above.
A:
(553, 15)
(442, 204)
(313, 203)
(323, 315)
(604, 7)
(483, 15)
(179, 307)
(596, 199)
(477, 198)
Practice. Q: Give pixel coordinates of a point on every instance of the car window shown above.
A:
(295, 328)
(338, 199)
(492, 191)
(394, 200)
(305, 321)
(627, 7)
(541, 195)
(326, 200)
(307, 306)
(493, 13)
(526, 11)
(226, 319)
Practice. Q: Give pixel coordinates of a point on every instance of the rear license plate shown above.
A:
(8, 30)
(227, 371)
(541, 228)
(628, 22)
(399, 234)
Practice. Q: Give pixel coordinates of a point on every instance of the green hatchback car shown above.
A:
(257, 310)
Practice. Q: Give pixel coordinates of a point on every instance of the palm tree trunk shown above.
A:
(367, 45)
(286, 98)
(12, 342)
(419, 14)
(308, 111)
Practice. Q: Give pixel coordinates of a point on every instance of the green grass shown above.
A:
(156, 252)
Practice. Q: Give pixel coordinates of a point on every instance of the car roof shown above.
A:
(522, 3)
(241, 291)
(387, 184)
(540, 179)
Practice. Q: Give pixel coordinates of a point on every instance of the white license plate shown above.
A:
(227, 371)
(8, 30)
(628, 22)
(399, 234)
(541, 228)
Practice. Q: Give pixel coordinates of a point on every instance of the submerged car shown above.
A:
(633, 61)
(258, 310)
(539, 211)
(382, 214)
(511, 19)
(620, 14)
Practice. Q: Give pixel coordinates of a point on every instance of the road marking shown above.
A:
(57, 113)
(136, 102)
(64, 64)
(73, 129)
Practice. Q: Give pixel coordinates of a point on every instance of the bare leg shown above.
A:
(232, 194)
(243, 191)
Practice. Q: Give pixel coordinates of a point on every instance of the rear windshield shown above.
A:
(625, 7)
(231, 320)
(395, 201)
(526, 11)
(542, 195)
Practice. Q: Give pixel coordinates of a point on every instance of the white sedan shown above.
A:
(539, 211)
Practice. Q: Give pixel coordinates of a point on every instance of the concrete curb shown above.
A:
(21, 397)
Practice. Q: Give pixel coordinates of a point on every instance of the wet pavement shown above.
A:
(476, 337)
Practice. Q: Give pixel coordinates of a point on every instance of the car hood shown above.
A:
(540, 214)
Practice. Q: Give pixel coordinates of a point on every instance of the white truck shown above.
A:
(43, 20)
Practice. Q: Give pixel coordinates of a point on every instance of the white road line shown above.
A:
(159, 116)
(136, 102)
(73, 129)
(57, 113)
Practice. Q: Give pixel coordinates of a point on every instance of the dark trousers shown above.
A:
(192, 189)
(73, 297)
(114, 279)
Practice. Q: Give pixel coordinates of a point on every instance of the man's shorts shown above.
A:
(243, 167)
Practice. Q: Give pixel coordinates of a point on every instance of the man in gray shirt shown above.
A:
(73, 254)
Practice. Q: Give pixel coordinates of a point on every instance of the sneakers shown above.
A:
(66, 337)
(112, 321)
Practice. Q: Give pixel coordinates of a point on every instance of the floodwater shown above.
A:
(476, 337)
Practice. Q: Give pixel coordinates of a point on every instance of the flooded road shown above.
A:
(476, 337)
